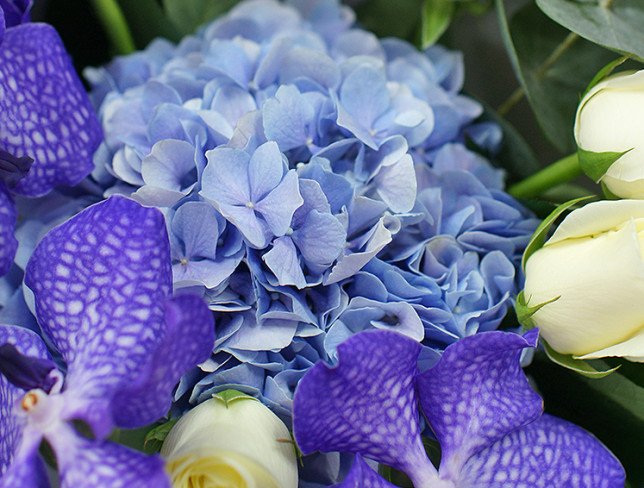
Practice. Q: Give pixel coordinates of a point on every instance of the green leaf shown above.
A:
(604, 72)
(595, 164)
(553, 68)
(525, 312)
(386, 18)
(437, 15)
(147, 21)
(577, 365)
(154, 439)
(189, 15)
(614, 24)
(231, 396)
(567, 191)
(540, 235)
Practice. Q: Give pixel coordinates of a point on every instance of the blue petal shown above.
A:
(546, 452)
(362, 476)
(366, 404)
(477, 394)
(99, 282)
(44, 111)
(188, 340)
(8, 243)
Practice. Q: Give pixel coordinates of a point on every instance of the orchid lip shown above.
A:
(25, 372)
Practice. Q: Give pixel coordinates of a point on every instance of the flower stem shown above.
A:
(115, 25)
(558, 172)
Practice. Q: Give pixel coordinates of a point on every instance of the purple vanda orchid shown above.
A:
(102, 286)
(48, 128)
(477, 400)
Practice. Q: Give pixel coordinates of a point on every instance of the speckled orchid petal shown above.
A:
(188, 340)
(16, 12)
(8, 243)
(477, 394)
(362, 476)
(45, 113)
(91, 464)
(100, 281)
(366, 404)
(547, 452)
(19, 462)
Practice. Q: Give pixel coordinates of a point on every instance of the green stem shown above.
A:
(115, 25)
(559, 172)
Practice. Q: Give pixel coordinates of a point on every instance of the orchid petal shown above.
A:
(8, 243)
(366, 404)
(188, 340)
(477, 394)
(44, 111)
(362, 476)
(99, 282)
(547, 452)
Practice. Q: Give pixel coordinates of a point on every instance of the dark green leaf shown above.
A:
(541, 234)
(553, 67)
(154, 439)
(577, 365)
(188, 15)
(595, 164)
(147, 21)
(384, 18)
(614, 24)
(437, 15)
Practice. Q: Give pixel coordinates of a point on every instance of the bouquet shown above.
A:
(274, 243)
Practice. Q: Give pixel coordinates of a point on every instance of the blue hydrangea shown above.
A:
(316, 183)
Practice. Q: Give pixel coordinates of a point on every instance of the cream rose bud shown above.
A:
(610, 118)
(594, 263)
(231, 443)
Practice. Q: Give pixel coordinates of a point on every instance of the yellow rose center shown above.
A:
(218, 470)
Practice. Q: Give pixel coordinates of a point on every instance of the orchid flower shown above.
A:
(48, 128)
(102, 285)
(476, 399)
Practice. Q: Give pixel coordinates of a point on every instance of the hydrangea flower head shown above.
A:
(476, 399)
(331, 166)
(101, 283)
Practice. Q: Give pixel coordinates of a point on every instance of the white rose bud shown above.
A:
(610, 118)
(235, 443)
(594, 263)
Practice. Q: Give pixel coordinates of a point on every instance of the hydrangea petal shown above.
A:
(44, 111)
(366, 404)
(280, 204)
(477, 394)
(283, 261)
(321, 238)
(8, 243)
(545, 453)
(188, 340)
(362, 476)
(99, 282)
(225, 178)
(265, 170)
